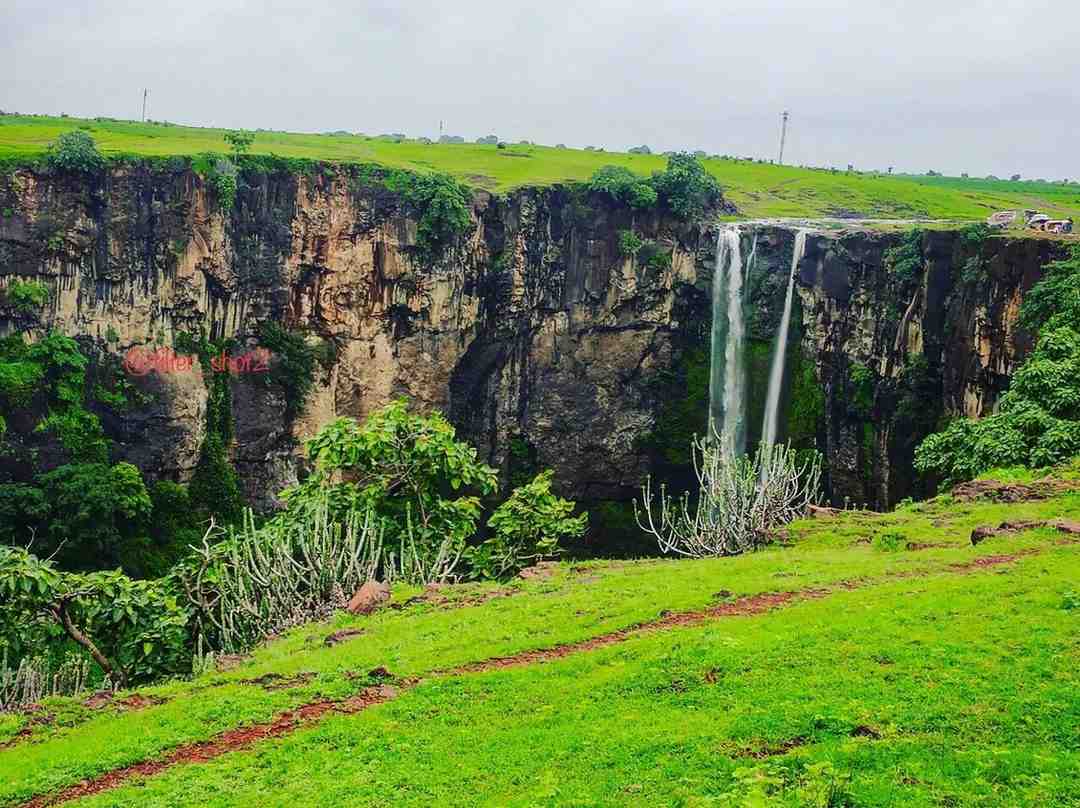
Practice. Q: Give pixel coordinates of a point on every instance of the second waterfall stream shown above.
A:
(771, 425)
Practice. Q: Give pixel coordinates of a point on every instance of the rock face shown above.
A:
(544, 344)
(900, 331)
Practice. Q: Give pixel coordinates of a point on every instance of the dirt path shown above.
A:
(308, 714)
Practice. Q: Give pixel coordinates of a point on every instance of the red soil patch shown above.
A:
(230, 741)
(743, 607)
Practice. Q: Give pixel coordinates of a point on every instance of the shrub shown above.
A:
(293, 366)
(889, 542)
(442, 205)
(526, 527)
(74, 153)
(905, 260)
(623, 185)
(403, 468)
(260, 581)
(738, 503)
(26, 296)
(134, 630)
(630, 243)
(686, 188)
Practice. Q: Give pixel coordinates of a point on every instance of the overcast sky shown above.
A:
(949, 85)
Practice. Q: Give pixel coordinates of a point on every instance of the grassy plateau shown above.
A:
(760, 190)
(871, 660)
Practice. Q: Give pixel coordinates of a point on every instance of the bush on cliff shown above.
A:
(624, 186)
(74, 152)
(686, 188)
(1038, 420)
(441, 205)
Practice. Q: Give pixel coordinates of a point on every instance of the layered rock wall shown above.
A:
(542, 341)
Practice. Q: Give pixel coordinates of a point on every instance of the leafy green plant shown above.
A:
(1070, 601)
(403, 468)
(293, 364)
(889, 542)
(74, 152)
(623, 185)
(239, 142)
(526, 527)
(134, 630)
(442, 206)
(93, 509)
(905, 260)
(630, 243)
(215, 486)
(1055, 300)
(685, 187)
(221, 174)
(862, 381)
(26, 296)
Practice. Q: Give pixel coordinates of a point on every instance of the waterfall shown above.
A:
(727, 400)
(776, 373)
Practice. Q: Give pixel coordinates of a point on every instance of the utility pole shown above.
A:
(783, 134)
(145, 95)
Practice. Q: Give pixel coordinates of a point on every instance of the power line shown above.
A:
(783, 134)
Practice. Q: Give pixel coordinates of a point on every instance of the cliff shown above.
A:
(534, 330)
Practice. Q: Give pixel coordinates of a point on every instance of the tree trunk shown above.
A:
(62, 616)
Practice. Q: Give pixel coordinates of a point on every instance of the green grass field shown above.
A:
(936, 674)
(759, 190)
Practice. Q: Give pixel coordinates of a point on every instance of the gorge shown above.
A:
(544, 341)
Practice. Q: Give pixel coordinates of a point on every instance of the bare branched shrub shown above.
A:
(263, 580)
(417, 563)
(32, 680)
(739, 501)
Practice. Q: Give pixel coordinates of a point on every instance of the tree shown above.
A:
(239, 142)
(134, 630)
(623, 185)
(94, 508)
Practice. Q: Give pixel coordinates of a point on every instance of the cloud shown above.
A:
(917, 84)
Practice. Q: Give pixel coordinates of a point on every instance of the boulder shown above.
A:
(369, 597)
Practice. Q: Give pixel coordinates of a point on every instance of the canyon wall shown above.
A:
(540, 338)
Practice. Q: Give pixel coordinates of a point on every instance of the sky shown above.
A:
(946, 85)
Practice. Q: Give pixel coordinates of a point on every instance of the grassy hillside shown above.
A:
(758, 190)
(880, 659)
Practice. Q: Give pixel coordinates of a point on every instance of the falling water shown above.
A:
(727, 403)
(776, 372)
